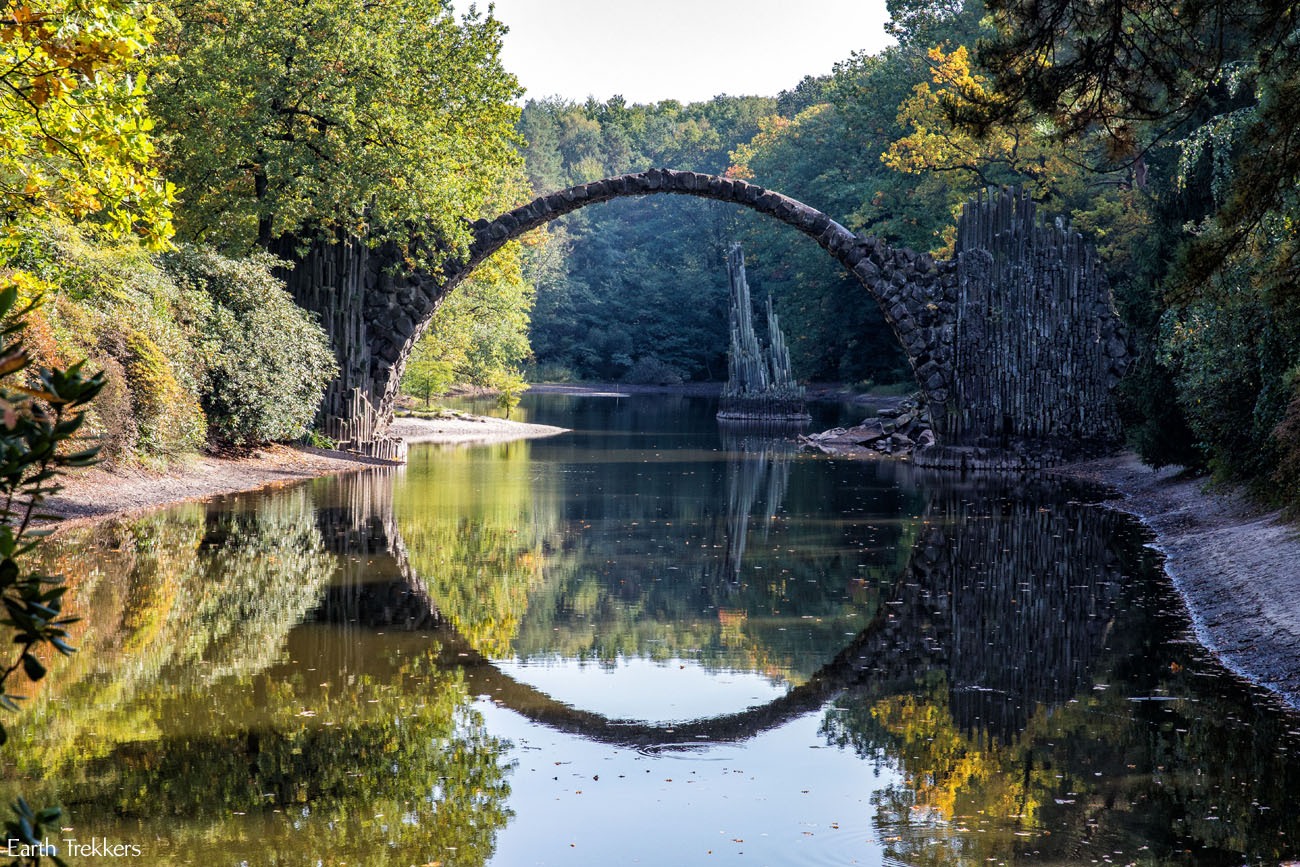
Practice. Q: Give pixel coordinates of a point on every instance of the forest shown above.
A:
(163, 165)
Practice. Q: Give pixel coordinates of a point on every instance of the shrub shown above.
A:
(113, 306)
(1231, 356)
(650, 370)
(266, 361)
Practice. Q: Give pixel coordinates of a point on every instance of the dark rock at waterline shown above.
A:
(896, 431)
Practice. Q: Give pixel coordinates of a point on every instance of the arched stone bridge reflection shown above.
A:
(1009, 592)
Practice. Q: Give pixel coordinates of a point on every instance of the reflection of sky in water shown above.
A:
(782, 798)
(644, 689)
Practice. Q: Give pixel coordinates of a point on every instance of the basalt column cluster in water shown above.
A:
(760, 381)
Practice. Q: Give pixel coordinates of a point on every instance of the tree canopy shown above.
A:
(76, 138)
(376, 120)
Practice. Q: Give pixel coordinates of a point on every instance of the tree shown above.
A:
(1146, 71)
(479, 335)
(75, 138)
(1221, 82)
(637, 281)
(933, 144)
(337, 118)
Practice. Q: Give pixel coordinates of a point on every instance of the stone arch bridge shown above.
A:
(1014, 342)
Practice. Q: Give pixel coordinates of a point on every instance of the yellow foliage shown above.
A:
(770, 130)
(936, 144)
(951, 773)
(75, 138)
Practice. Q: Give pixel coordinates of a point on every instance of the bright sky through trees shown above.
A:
(688, 50)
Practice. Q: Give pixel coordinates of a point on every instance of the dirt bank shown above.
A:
(96, 493)
(1237, 568)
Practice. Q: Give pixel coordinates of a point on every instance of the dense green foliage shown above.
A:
(74, 131)
(291, 127)
(479, 335)
(190, 344)
(352, 117)
(639, 282)
(114, 306)
(1204, 98)
(391, 122)
(265, 361)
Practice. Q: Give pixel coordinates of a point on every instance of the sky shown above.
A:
(689, 50)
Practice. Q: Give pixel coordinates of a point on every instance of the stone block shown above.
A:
(868, 432)
(867, 270)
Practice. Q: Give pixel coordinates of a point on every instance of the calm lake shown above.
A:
(648, 641)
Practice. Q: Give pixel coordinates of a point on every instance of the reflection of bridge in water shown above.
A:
(1009, 592)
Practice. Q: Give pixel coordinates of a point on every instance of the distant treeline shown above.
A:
(637, 289)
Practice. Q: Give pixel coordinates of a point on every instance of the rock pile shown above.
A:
(897, 431)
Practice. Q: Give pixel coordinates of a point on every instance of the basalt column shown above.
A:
(1036, 345)
(335, 279)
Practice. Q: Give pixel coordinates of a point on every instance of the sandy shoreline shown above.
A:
(463, 429)
(98, 493)
(1236, 567)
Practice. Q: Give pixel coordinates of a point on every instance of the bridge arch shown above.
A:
(887, 652)
(1014, 341)
(907, 286)
(930, 617)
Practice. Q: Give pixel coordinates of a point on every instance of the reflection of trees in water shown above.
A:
(975, 681)
(590, 560)
(188, 595)
(1008, 600)
(388, 764)
(200, 713)
(478, 530)
(1031, 619)
(717, 568)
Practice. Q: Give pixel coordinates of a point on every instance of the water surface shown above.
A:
(647, 641)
